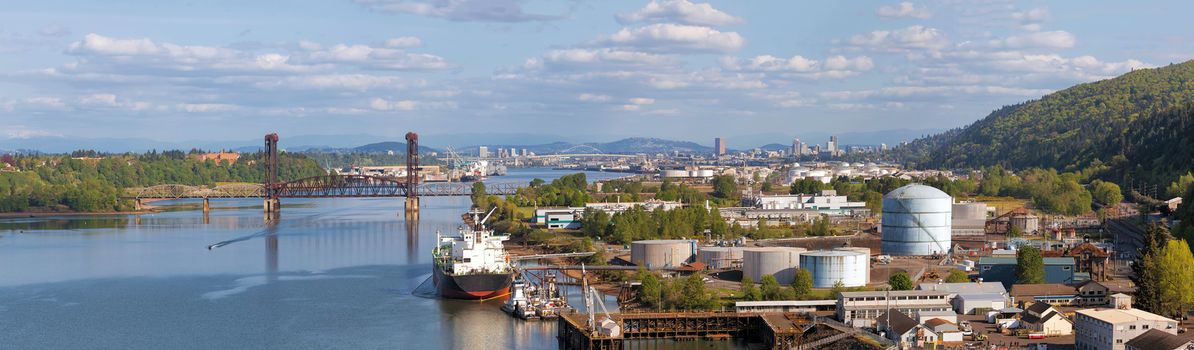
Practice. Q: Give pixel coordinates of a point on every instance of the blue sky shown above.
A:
(224, 70)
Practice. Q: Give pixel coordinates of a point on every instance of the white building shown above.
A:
(612, 208)
(860, 309)
(827, 200)
(1109, 329)
(905, 331)
(1042, 318)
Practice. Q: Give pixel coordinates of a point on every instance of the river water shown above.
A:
(331, 274)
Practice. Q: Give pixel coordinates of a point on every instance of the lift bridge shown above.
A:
(323, 186)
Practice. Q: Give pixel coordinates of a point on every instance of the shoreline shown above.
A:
(147, 209)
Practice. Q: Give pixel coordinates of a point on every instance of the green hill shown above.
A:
(1135, 128)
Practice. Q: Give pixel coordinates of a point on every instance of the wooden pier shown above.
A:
(774, 330)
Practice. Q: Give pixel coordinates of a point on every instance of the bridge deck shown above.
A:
(354, 186)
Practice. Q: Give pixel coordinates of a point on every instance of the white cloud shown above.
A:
(460, 10)
(833, 67)
(24, 132)
(403, 42)
(107, 100)
(54, 30)
(679, 11)
(381, 104)
(1059, 39)
(587, 97)
(206, 107)
(631, 107)
(904, 9)
(642, 101)
(1031, 19)
(666, 37)
(605, 55)
(381, 58)
(912, 37)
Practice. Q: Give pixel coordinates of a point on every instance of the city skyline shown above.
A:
(681, 69)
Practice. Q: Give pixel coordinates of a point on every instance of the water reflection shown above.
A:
(338, 273)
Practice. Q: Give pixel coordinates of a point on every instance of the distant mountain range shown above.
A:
(465, 143)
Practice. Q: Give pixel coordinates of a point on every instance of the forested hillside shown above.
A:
(91, 183)
(1136, 128)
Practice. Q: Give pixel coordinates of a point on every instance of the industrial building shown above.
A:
(859, 309)
(779, 262)
(969, 219)
(720, 257)
(916, 221)
(1003, 270)
(1160, 340)
(558, 218)
(692, 173)
(828, 267)
(1109, 329)
(827, 200)
(612, 208)
(972, 298)
(662, 253)
(1051, 293)
(799, 306)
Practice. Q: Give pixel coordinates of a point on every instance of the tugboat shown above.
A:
(472, 265)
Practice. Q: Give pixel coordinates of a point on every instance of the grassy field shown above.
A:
(1002, 204)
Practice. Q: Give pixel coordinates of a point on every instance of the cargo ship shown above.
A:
(472, 265)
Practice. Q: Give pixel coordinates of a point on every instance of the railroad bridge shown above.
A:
(323, 186)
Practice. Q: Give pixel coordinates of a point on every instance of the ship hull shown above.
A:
(471, 287)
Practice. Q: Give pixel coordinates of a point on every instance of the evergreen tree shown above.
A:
(802, 285)
(900, 281)
(1146, 271)
(1030, 266)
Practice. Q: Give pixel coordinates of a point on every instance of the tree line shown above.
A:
(92, 184)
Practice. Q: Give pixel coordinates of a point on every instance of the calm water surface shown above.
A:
(331, 274)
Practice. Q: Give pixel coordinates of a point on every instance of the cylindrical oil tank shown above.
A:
(673, 173)
(780, 262)
(828, 267)
(662, 253)
(970, 211)
(720, 257)
(916, 221)
(863, 250)
(702, 173)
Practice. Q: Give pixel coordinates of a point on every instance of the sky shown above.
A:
(594, 70)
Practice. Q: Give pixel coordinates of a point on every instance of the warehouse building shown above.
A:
(860, 309)
(1003, 270)
(1110, 329)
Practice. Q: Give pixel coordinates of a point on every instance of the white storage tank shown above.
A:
(662, 253)
(916, 221)
(702, 173)
(720, 257)
(863, 250)
(828, 267)
(780, 262)
(673, 173)
(970, 211)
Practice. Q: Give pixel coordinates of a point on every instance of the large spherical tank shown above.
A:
(916, 221)
(828, 267)
(780, 262)
(719, 257)
(970, 211)
(662, 253)
(673, 173)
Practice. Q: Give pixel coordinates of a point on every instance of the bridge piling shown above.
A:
(411, 208)
(206, 205)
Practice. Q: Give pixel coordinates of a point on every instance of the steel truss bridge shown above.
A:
(329, 186)
(323, 186)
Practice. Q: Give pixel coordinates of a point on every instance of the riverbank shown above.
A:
(147, 208)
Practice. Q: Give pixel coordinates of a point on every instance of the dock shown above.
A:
(774, 330)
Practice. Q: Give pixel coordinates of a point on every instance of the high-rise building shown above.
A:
(483, 152)
(719, 144)
(798, 148)
(883, 147)
(832, 146)
(513, 152)
(524, 152)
